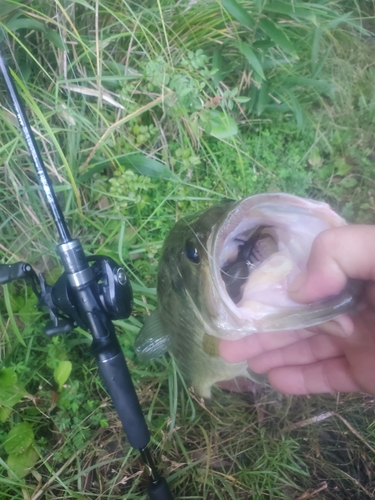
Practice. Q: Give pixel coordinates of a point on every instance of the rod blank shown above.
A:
(35, 154)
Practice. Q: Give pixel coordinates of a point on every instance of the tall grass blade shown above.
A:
(252, 58)
(238, 13)
(278, 36)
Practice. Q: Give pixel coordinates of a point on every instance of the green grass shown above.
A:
(144, 113)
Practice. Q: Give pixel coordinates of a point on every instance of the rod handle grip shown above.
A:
(118, 382)
(160, 490)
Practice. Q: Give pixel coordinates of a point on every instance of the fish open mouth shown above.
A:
(245, 253)
(256, 254)
(257, 250)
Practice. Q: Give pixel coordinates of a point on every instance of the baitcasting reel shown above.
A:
(113, 288)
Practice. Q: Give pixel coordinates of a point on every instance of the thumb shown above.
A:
(336, 255)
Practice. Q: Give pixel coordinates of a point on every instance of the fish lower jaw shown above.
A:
(244, 321)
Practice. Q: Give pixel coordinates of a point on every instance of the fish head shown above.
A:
(184, 273)
(232, 264)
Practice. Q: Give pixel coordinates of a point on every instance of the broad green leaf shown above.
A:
(238, 12)
(221, 125)
(349, 182)
(253, 60)
(291, 10)
(242, 99)
(55, 38)
(277, 35)
(22, 463)
(8, 377)
(9, 396)
(6, 7)
(341, 167)
(140, 163)
(19, 438)
(61, 373)
(145, 165)
(4, 413)
(315, 160)
(126, 72)
(326, 171)
(17, 23)
(10, 393)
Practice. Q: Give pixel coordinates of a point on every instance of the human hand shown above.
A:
(336, 356)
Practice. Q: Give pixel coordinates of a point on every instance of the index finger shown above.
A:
(336, 255)
(257, 343)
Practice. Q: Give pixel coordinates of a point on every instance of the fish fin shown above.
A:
(238, 384)
(258, 378)
(152, 340)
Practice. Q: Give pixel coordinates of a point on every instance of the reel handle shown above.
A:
(11, 272)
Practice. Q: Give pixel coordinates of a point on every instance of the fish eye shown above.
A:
(191, 253)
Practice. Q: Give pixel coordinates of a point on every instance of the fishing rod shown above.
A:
(90, 293)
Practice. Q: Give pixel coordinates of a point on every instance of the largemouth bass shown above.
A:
(224, 274)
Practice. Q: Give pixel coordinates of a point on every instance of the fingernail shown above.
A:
(297, 282)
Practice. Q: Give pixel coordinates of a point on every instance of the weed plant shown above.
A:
(144, 112)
